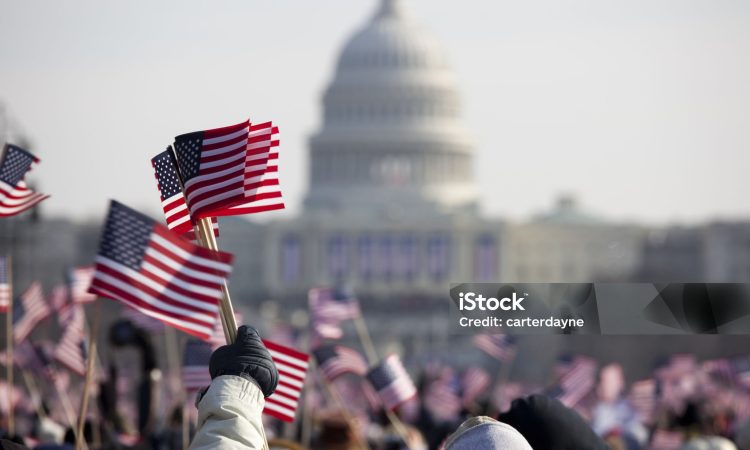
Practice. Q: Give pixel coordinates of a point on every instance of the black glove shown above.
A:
(247, 358)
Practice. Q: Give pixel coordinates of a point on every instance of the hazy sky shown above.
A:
(639, 107)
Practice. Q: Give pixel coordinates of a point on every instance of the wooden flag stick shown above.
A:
(227, 311)
(334, 395)
(33, 389)
(372, 358)
(366, 340)
(90, 359)
(9, 344)
(399, 427)
(67, 407)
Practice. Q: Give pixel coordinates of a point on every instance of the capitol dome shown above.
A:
(391, 139)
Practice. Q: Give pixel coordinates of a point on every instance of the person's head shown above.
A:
(486, 433)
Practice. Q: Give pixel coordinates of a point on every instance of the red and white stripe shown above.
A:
(178, 217)
(195, 378)
(262, 190)
(17, 199)
(142, 321)
(69, 351)
(218, 338)
(80, 281)
(346, 360)
(178, 283)
(292, 366)
(5, 294)
(35, 310)
(475, 381)
(221, 174)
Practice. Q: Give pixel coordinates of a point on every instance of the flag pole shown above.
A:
(203, 229)
(67, 407)
(372, 358)
(227, 311)
(347, 414)
(9, 344)
(33, 389)
(90, 359)
(365, 339)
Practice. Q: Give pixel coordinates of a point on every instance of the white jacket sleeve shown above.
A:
(229, 415)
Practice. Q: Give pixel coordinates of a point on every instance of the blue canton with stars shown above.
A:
(126, 236)
(197, 353)
(16, 162)
(165, 166)
(188, 148)
(382, 375)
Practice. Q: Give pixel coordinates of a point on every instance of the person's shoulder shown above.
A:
(709, 443)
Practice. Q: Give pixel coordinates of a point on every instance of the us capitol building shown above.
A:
(392, 210)
(392, 206)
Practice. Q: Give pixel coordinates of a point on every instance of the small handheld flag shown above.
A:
(172, 199)
(195, 374)
(5, 296)
(337, 360)
(71, 351)
(292, 366)
(144, 265)
(80, 281)
(31, 310)
(15, 197)
(392, 382)
(230, 171)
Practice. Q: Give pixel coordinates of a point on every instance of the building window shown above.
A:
(385, 258)
(338, 260)
(365, 257)
(485, 258)
(438, 256)
(291, 259)
(407, 259)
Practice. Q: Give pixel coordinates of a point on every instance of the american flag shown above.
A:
(142, 321)
(58, 298)
(71, 350)
(162, 275)
(392, 382)
(27, 313)
(475, 381)
(499, 346)
(195, 374)
(80, 281)
(5, 294)
(230, 171)
(328, 308)
(26, 357)
(643, 398)
(17, 397)
(15, 197)
(578, 380)
(441, 396)
(172, 199)
(292, 365)
(336, 360)
(666, 440)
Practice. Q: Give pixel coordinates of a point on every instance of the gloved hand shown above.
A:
(247, 358)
